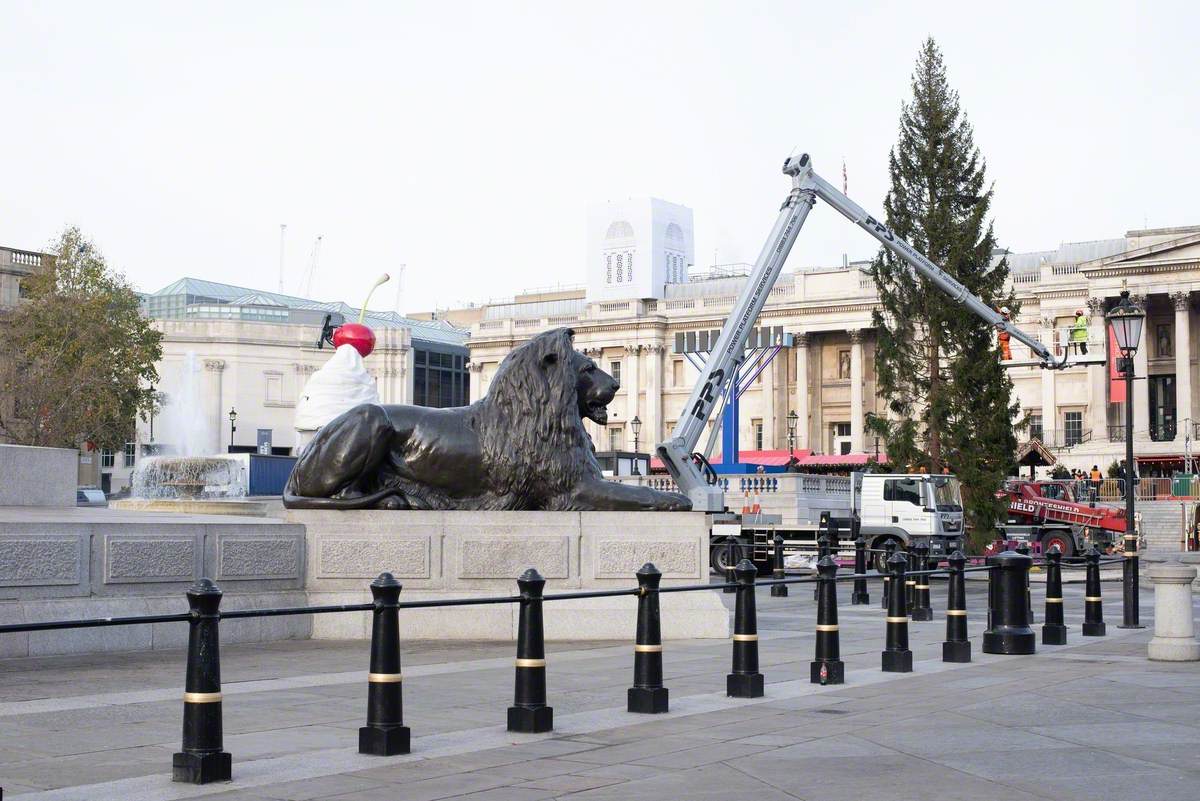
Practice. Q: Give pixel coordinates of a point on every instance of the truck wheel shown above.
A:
(1065, 543)
(717, 558)
(878, 559)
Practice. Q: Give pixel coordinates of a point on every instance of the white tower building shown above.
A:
(636, 247)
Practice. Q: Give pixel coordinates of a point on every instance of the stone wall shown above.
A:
(37, 476)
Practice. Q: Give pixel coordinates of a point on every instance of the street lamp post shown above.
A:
(636, 426)
(1126, 320)
(792, 419)
(232, 427)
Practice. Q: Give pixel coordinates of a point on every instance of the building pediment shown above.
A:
(1180, 253)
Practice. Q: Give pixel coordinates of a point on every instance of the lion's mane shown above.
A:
(529, 429)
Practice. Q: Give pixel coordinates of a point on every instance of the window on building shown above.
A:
(615, 438)
(608, 269)
(1072, 428)
(1035, 427)
(677, 373)
(274, 384)
(440, 380)
(841, 438)
(907, 490)
(614, 369)
(107, 458)
(22, 290)
(757, 425)
(130, 453)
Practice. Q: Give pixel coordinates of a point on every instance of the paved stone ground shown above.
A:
(1092, 720)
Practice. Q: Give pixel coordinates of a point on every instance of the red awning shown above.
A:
(833, 460)
(780, 458)
(1158, 458)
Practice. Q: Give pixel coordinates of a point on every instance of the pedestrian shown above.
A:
(1079, 332)
(1004, 338)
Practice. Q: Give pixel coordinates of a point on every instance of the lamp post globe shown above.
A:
(1126, 319)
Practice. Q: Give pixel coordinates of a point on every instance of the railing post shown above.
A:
(1024, 549)
(779, 590)
(1009, 632)
(889, 550)
(1129, 579)
(730, 561)
(529, 712)
(827, 666)
(203, 758)
(1093, 603)
(956, 648)
(860, 596)
(385, 733)
(921, 607)
(745, 681)
(1054, 632)
(648, 693)
(896, 656)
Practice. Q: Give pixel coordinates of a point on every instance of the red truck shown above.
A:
(1048, 512)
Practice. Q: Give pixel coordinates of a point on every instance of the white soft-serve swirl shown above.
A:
(341, 384)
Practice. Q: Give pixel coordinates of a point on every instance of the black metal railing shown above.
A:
(905, 591)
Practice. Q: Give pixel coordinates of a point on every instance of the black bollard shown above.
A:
(896, 656)
(1054, 632)
(1024, 549)
(956, 648)
(385, 733)
(1009, 632)
(745, 681)
(1129, 581)
(822, 547)
(648, 693)
(529, 713)
(730, 561)
(779, 590)
(1093, 604)
(202, 759)
(827, 666)
(889, 550)
(921, 609)
(910, 583)
(860, 596)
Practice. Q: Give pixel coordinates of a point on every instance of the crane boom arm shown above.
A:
(729, 352)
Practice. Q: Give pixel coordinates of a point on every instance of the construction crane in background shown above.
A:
(399, 287)
(306, 284)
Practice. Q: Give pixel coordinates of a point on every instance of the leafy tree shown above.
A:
(949, 398)
(77, 356)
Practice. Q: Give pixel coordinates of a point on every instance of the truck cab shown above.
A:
(911, 508)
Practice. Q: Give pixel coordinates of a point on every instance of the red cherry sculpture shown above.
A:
(357, 335)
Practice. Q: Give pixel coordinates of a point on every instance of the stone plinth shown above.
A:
(439, 555)
(183, 506)
(1174, 627)
(38, 476)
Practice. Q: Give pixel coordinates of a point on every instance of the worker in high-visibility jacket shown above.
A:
(1003, 337)
(1079, 332)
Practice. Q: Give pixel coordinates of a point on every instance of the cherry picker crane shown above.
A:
(691, 471)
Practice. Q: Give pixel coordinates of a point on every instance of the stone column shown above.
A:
(1174, 627)
(218, 366)
(1141, 385)
(652, 432)
(1097, 375)
(856, 391)
(801, 346)
(632, 389)
(768, 405)
(1183, 364)
(1050, 431)
(476, 371)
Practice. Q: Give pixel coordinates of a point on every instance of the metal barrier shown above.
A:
(203, 759)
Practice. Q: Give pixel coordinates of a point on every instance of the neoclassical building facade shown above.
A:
(827, 377)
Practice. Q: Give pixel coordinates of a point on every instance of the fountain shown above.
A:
(184, 479)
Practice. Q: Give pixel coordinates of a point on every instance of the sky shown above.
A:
(466, 140)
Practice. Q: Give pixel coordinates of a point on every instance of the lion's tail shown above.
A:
(291, 501)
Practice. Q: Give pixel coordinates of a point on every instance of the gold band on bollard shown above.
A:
(891, 619)
(913, 582)
(1054, 600)
(1096, 598)
(647, 649)
(922, 586)
(531, 663)
(1130, 554)
(384, 678)
(745, 637)
(827, 627)
(956, 612)
(202, 698)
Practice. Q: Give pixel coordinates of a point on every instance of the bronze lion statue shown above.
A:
(522, 446)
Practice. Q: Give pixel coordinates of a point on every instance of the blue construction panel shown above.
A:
(269, 474)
